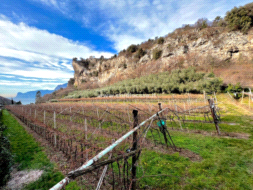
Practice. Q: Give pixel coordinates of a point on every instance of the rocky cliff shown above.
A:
(212, 49)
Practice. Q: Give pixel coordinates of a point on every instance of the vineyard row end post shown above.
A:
(213, 112)
(134, 158)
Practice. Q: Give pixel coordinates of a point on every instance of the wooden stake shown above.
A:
(55, 128)
(134, 158)
(44, 117)
(215, 119)
(242, 96)
(85, 128)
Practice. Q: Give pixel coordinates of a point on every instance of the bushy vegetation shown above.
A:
(201, 23)
(240, 18)
(160, 40)
(157, 54)
(178, 81)
(6, 158)
(140, 53)
(132, 48)
(235, 89)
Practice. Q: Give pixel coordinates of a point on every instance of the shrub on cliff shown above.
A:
(140, 53)
(132, 48)
(160, 40)
(157, 54)
(240, 18)
(201, 23)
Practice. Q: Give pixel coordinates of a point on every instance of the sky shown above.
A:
(39, 38)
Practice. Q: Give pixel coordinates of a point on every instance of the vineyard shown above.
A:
(109, 142)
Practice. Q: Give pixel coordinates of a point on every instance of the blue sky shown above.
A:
(39, 38)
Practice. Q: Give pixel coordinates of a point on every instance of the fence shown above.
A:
(84, 134)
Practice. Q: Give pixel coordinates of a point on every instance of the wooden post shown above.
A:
(44, 117)
(215, 119)
(185, 112)
(242, 96)
(215, 97)
(55, 128)
(163, 127)
(85, 128)
(249, 96)
(54, 120)
(134, 158)
(86, 133)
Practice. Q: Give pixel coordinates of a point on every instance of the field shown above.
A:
(188, 155)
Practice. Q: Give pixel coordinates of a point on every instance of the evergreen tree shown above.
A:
(38, 97)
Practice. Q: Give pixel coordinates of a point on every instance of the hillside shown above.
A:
(222, 47)
(5, 101)
(29, 97)
(214, 49)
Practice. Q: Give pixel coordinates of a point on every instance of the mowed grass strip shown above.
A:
(226, 163)
(29, 155)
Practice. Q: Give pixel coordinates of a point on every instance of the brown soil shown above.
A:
(214, 133)
(162, 148)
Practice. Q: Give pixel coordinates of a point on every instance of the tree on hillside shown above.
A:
(240, 18)
(201, 23)
(38, 97)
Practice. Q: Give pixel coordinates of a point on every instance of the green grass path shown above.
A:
(29, 155)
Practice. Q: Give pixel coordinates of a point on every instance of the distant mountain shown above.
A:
(61, 86)
(29, 97)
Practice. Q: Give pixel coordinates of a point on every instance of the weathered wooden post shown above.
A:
(185, 111)
(44, 117)
(54, 120)
(162, 128)
(215, 119)
(54, 128)
(85, 128)
(242, 96)
(215, 97)
(249, 96)
(86, 138)
(134, 158)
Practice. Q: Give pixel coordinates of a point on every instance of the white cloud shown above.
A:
(32, 41)
(41, 59)
(138, 20)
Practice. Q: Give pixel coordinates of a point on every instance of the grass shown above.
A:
(29, 155)
(226, 163)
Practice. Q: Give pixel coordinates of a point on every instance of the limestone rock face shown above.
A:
(203, 43)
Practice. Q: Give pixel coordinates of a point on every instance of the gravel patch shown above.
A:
(21, 178)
